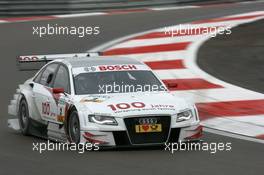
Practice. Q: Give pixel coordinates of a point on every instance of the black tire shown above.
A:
(74, 130)
(23, 117)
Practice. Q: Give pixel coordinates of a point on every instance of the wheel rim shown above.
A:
(23, 115)
(74, 129)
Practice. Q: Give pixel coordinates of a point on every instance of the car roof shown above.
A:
(100, 60)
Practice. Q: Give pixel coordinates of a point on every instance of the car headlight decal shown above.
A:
(184, 115)
(103, 120)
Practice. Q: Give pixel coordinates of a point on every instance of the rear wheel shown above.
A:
(74, 127)
(23, 117)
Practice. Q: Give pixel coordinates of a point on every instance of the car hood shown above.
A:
(133, 104)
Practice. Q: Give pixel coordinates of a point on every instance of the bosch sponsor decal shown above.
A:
(106, 68)
(103, 68)
(118, 67)
(139, 106)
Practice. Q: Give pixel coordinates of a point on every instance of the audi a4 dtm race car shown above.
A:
(111, 101)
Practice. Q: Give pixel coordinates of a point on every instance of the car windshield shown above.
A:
(117, 82)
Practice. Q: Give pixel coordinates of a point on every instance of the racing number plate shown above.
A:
(148, 128)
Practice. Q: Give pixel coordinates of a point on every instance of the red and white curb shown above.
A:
(222, 106)
(114, 12)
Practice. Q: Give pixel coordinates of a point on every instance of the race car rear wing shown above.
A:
(35, 62)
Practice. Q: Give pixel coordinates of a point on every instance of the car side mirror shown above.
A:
(58, 90)
(172, 85)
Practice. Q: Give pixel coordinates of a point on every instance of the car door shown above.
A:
(43, 91)
(59, 101)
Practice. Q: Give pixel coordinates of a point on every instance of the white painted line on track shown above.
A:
(173, 8)
(236, 136)
(80, 15)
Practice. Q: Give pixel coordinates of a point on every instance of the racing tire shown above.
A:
(23, 117)
(74, 130)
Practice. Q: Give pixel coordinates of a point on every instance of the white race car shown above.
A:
(110, 101)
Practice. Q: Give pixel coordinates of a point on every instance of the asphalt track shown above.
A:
(242, 62)
(16, 155)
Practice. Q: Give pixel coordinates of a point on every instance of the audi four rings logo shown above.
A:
(144, 121)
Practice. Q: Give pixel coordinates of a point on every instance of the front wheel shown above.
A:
(74, 127)
(23, 117)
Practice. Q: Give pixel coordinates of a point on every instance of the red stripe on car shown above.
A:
(197, 135)
(93, 140)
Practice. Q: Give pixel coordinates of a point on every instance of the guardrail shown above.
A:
(52, 7)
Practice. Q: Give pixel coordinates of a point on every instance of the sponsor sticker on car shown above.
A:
(109, 68)
(148, 125)
(148, 128)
